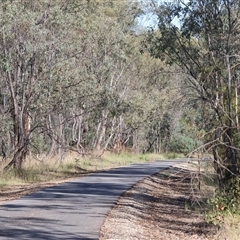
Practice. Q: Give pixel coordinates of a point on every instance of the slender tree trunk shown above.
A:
(102, 131)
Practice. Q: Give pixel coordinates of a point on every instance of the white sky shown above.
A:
(150, 20)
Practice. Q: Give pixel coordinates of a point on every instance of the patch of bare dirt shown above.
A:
(159, 207)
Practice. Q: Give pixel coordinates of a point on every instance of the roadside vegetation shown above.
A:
(204, 44)
(73, 165)
(224, 210)
(206, 199)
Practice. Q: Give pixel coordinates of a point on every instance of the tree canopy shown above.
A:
(76, 77)
(206, 47)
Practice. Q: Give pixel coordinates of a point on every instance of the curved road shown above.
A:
(72, 210)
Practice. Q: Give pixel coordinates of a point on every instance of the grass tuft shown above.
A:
(73, 164)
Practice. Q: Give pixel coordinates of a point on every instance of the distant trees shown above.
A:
(74, 77)
(206, 47)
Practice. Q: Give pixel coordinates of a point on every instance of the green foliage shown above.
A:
(74, 76)
(236, 139)
(225, 203)
(205, 46)
(173, 155)
(185, 137)
(38, 144)
(183, 144)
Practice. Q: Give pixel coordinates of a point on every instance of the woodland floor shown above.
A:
(158, 207)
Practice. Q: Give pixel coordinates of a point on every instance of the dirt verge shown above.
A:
(159, 207)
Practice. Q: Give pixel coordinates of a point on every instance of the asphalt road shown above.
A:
(72, 210)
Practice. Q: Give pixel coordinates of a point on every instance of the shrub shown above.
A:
(223, 203)
(183, 144)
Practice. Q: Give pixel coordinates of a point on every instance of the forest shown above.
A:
(86, 76)
(75, 75)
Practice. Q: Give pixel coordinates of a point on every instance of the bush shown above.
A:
(225, 202)
(183, 144)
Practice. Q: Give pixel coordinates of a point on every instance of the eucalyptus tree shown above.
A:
(63, 70)
(205, 46)
(37, 65)
(73, 75)
(108, 66)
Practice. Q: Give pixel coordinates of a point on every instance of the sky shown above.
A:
(149, 20)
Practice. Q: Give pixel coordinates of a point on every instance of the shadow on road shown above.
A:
(72, 210)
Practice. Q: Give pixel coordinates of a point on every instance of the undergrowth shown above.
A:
(72, 164)
(223, 209)
(219, 208)
(225, 203)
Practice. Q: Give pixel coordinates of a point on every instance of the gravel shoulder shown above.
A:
(159, 207)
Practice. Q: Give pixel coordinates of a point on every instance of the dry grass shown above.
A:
(38, 173)
(37, 170)
(232, 227)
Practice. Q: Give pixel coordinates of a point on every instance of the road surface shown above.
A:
(72, 210)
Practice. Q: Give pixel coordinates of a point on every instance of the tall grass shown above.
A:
(72, 164)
